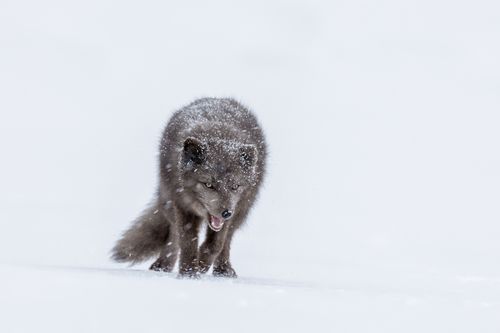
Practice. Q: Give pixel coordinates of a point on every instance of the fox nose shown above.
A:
(227, 214)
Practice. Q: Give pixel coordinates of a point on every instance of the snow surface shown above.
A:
(380, 212)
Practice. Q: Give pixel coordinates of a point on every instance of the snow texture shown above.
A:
(380, 208)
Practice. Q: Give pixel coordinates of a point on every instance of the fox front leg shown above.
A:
(211, 247)
(222, 265)
(188, 225)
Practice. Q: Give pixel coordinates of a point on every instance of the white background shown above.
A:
(380, 210)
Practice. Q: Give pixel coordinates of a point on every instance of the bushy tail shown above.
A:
(144, 239)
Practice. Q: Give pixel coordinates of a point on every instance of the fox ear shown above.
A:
(194, 150)
(248, 156)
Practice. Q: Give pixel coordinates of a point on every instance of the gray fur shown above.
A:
(212, 162)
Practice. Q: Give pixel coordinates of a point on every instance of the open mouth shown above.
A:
(215, 223)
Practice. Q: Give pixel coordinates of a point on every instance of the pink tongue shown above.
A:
(216, 222)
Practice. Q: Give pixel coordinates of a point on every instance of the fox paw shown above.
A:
(161, 266)
(203, 267)
(225, 271)
(190, 272)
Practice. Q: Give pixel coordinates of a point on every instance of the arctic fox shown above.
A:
(212, 163)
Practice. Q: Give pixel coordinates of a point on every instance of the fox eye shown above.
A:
(235, 187)
(209, 185)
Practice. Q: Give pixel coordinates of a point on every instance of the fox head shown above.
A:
(216, 174)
